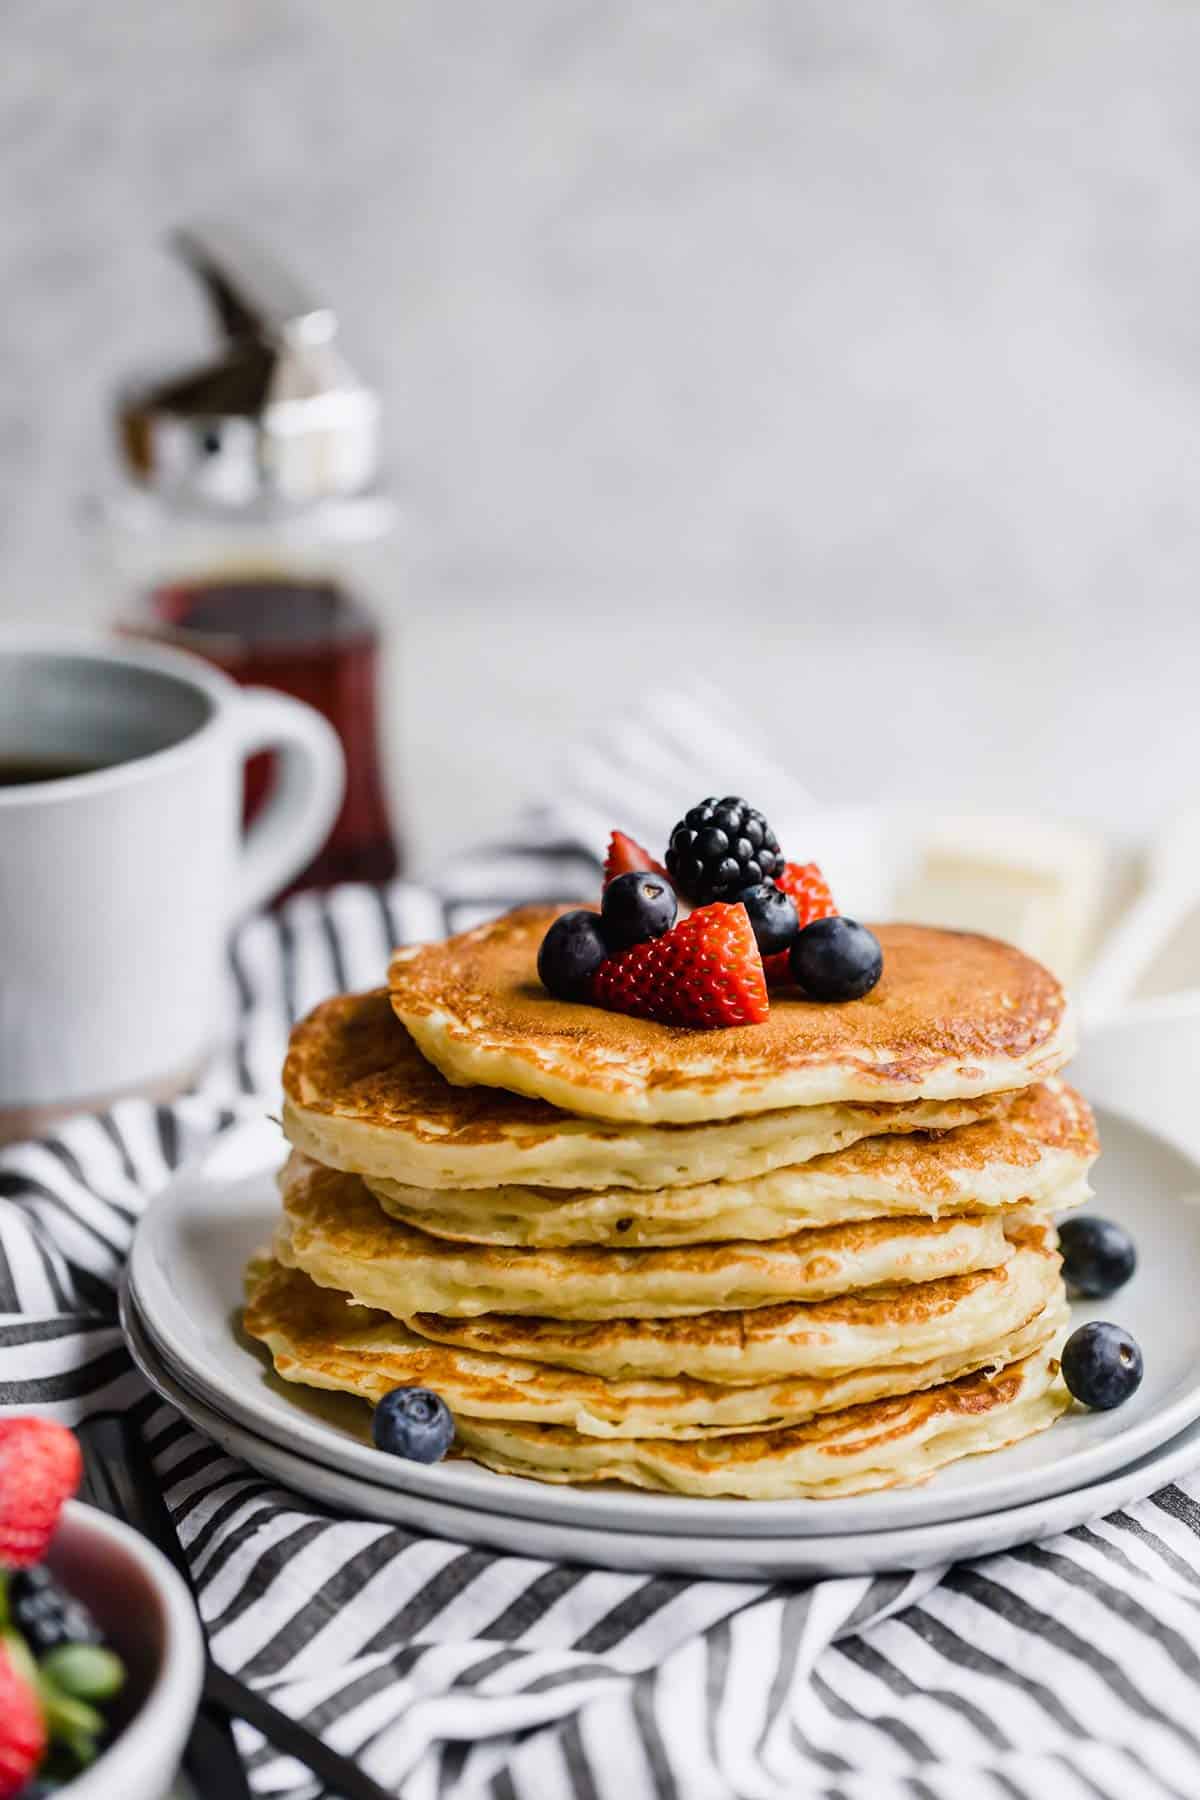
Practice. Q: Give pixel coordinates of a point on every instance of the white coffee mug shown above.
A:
(119, 883)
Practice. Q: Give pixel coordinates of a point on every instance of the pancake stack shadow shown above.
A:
(803, 1259)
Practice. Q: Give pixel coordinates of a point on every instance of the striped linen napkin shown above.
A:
(1064, 1670)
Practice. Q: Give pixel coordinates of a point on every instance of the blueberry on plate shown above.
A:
(836, 959)
(571, 952)
(414, 1423)
(773, 916)
(1098, 1255)
(637, 907)
(1101, 1365)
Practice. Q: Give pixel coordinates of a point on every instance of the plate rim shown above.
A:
(643, 1510)
(723, 1558)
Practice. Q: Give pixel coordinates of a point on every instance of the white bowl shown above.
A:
(146, 1612)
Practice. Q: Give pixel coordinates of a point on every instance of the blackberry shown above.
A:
(44, 1615)
(720, 848)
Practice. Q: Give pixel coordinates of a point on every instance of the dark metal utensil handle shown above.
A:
(120, 1479)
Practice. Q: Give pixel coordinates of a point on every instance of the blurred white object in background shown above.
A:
(1033, 881)
(1169, 894)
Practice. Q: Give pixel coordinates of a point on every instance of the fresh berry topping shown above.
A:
(772, 917)
(46, 1616)
(805, 884)
(1098, 1256)
(40, 1468)
(636, 908)
(414, 1423)
(572, 950)
(720, 848)
(1101, 1365)
(836, 959)
(22, 1728)
(626, 857)
(705, 972)
(809, 889)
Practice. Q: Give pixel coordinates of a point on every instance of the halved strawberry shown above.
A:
(705, 972)
(22, 1727)
(810, 890)
(40, 1466)
(626, 857)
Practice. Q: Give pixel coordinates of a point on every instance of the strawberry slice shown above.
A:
(810, 890)
(626, 857)
(40, 1466)
(705, 972)
(22, 1727)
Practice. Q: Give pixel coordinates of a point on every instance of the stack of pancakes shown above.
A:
(803, 1258)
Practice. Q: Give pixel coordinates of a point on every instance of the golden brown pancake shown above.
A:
(1037, 1153)
(316, 1337)
(885, 1443)
(360, 1096)
(336, 1232)
(883, 1325)
(954, 1015)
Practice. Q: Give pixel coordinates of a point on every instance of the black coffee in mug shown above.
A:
(24, 771)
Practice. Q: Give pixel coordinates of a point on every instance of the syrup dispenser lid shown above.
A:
(278, 417)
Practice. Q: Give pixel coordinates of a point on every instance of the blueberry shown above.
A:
(773, 916)
(836, 959)
(572, 950)
(1101, 1365)
(1098, 1256)
(637, 907)
(45, 1614)
(414, 1423)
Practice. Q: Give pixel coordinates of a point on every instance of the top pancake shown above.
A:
(954, 1015)
(359, 1096)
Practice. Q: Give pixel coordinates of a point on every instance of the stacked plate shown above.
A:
(182, 1306)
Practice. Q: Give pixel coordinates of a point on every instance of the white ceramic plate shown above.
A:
(193, 1243)
(674, 1553)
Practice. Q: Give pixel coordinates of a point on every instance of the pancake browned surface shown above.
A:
(316, 1337)
(359, 1095)
(885, 1443)
(1038, 1153)
(884, 1325)
(954, 1015)
(336, 1232)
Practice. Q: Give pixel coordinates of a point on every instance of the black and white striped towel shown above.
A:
(1066, 1670)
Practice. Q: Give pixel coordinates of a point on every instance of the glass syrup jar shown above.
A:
(250, 524)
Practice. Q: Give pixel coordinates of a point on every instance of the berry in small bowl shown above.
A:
(101, 1655)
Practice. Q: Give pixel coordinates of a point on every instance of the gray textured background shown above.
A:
(850, 350)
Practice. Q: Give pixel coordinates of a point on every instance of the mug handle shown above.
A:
(304, 800)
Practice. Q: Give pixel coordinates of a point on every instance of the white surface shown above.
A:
(845, 1553)
(192, 1245)
(866, 331)
(118, 888)
(140, 1762)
